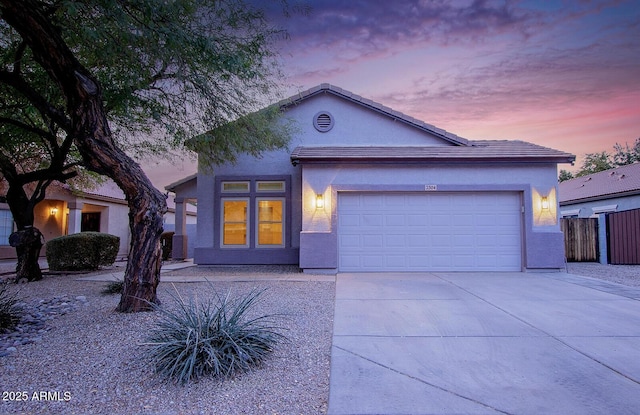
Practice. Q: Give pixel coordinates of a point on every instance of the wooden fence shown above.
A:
(623, 237)
(580, 239)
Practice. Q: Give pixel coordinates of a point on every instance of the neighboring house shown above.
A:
(367, 188)
(613, 198)
(64, 212)
(613, 190)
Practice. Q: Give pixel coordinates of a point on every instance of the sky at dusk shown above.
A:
(562, 74)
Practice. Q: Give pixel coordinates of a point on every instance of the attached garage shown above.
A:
(457, 231)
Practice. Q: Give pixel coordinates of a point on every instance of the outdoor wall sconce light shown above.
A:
(54, 211)
(319, 201)
(545, 203)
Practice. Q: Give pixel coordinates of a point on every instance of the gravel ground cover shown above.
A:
(621, 274)
(89, 360)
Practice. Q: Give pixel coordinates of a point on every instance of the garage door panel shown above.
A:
(417, 241)
(435, 231)
(395, 241)
(347, 221)
(373, 241)
(398, 261)
(418, 220)
(349, 241)
(394, 220)
(372, 220)
(372, 201)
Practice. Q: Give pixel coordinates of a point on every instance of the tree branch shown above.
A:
(29, 128)
(16, 82)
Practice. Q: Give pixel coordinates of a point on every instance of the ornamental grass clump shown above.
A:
(218, 339)
(113, 287)
(10, 311)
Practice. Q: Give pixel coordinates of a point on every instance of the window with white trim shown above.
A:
(235, 222)
(270, 186)
(253, 213)
(235, 187)
(270, 223)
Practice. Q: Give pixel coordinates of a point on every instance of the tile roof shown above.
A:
(602, 185)
(173, 186)
(334, 90)
(475, 151)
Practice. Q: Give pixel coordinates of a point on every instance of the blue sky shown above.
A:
(564, 74)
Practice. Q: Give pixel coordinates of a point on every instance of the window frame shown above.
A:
(259, 182)
(253, 195)
(236, 182)
(247, 242)
(282, 222)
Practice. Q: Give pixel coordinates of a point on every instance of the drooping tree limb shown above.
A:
(41, 103)
(93, 139)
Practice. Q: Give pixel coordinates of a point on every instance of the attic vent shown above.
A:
(323, 121)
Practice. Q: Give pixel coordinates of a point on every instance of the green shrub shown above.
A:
(82, 251)
(10, 312)
(113, 287)
(210, 339)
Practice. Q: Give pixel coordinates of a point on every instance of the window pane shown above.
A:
(235, 187)
(270, 222)
(270, 211)
(235, 234)
(271, 186)
(235, 210)
(6, 226)
(270, 234)
(234, 218)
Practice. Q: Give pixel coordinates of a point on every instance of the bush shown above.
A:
(10, 312)
(210, 339)
(113, 287)
(82, 251)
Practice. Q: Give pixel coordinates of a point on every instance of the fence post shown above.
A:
(602, 238)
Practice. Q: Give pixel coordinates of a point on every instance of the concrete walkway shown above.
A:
(484, 343)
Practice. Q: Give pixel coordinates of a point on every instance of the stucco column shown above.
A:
(75, 217)
(179, 242)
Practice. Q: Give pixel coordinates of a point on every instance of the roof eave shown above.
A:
(420, 160)
(599, 197)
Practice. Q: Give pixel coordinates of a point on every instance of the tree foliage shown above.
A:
(597, 162)
(565, 175)
(93, 78)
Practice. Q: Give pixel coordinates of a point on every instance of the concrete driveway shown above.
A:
(484, 343)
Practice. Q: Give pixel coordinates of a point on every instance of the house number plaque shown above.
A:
(430, 187)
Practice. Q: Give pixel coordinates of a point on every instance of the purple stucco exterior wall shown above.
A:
(312, 235)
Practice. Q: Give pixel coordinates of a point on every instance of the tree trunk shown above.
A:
(147, 205)
(92, 136)
(28, 243)
(27, 240)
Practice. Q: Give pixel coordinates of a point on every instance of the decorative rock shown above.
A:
(33, 324)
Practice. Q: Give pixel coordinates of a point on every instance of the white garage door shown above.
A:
(429, 231)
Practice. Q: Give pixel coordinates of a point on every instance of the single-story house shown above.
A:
(613, 190)
(65, 211)
(365, 188)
